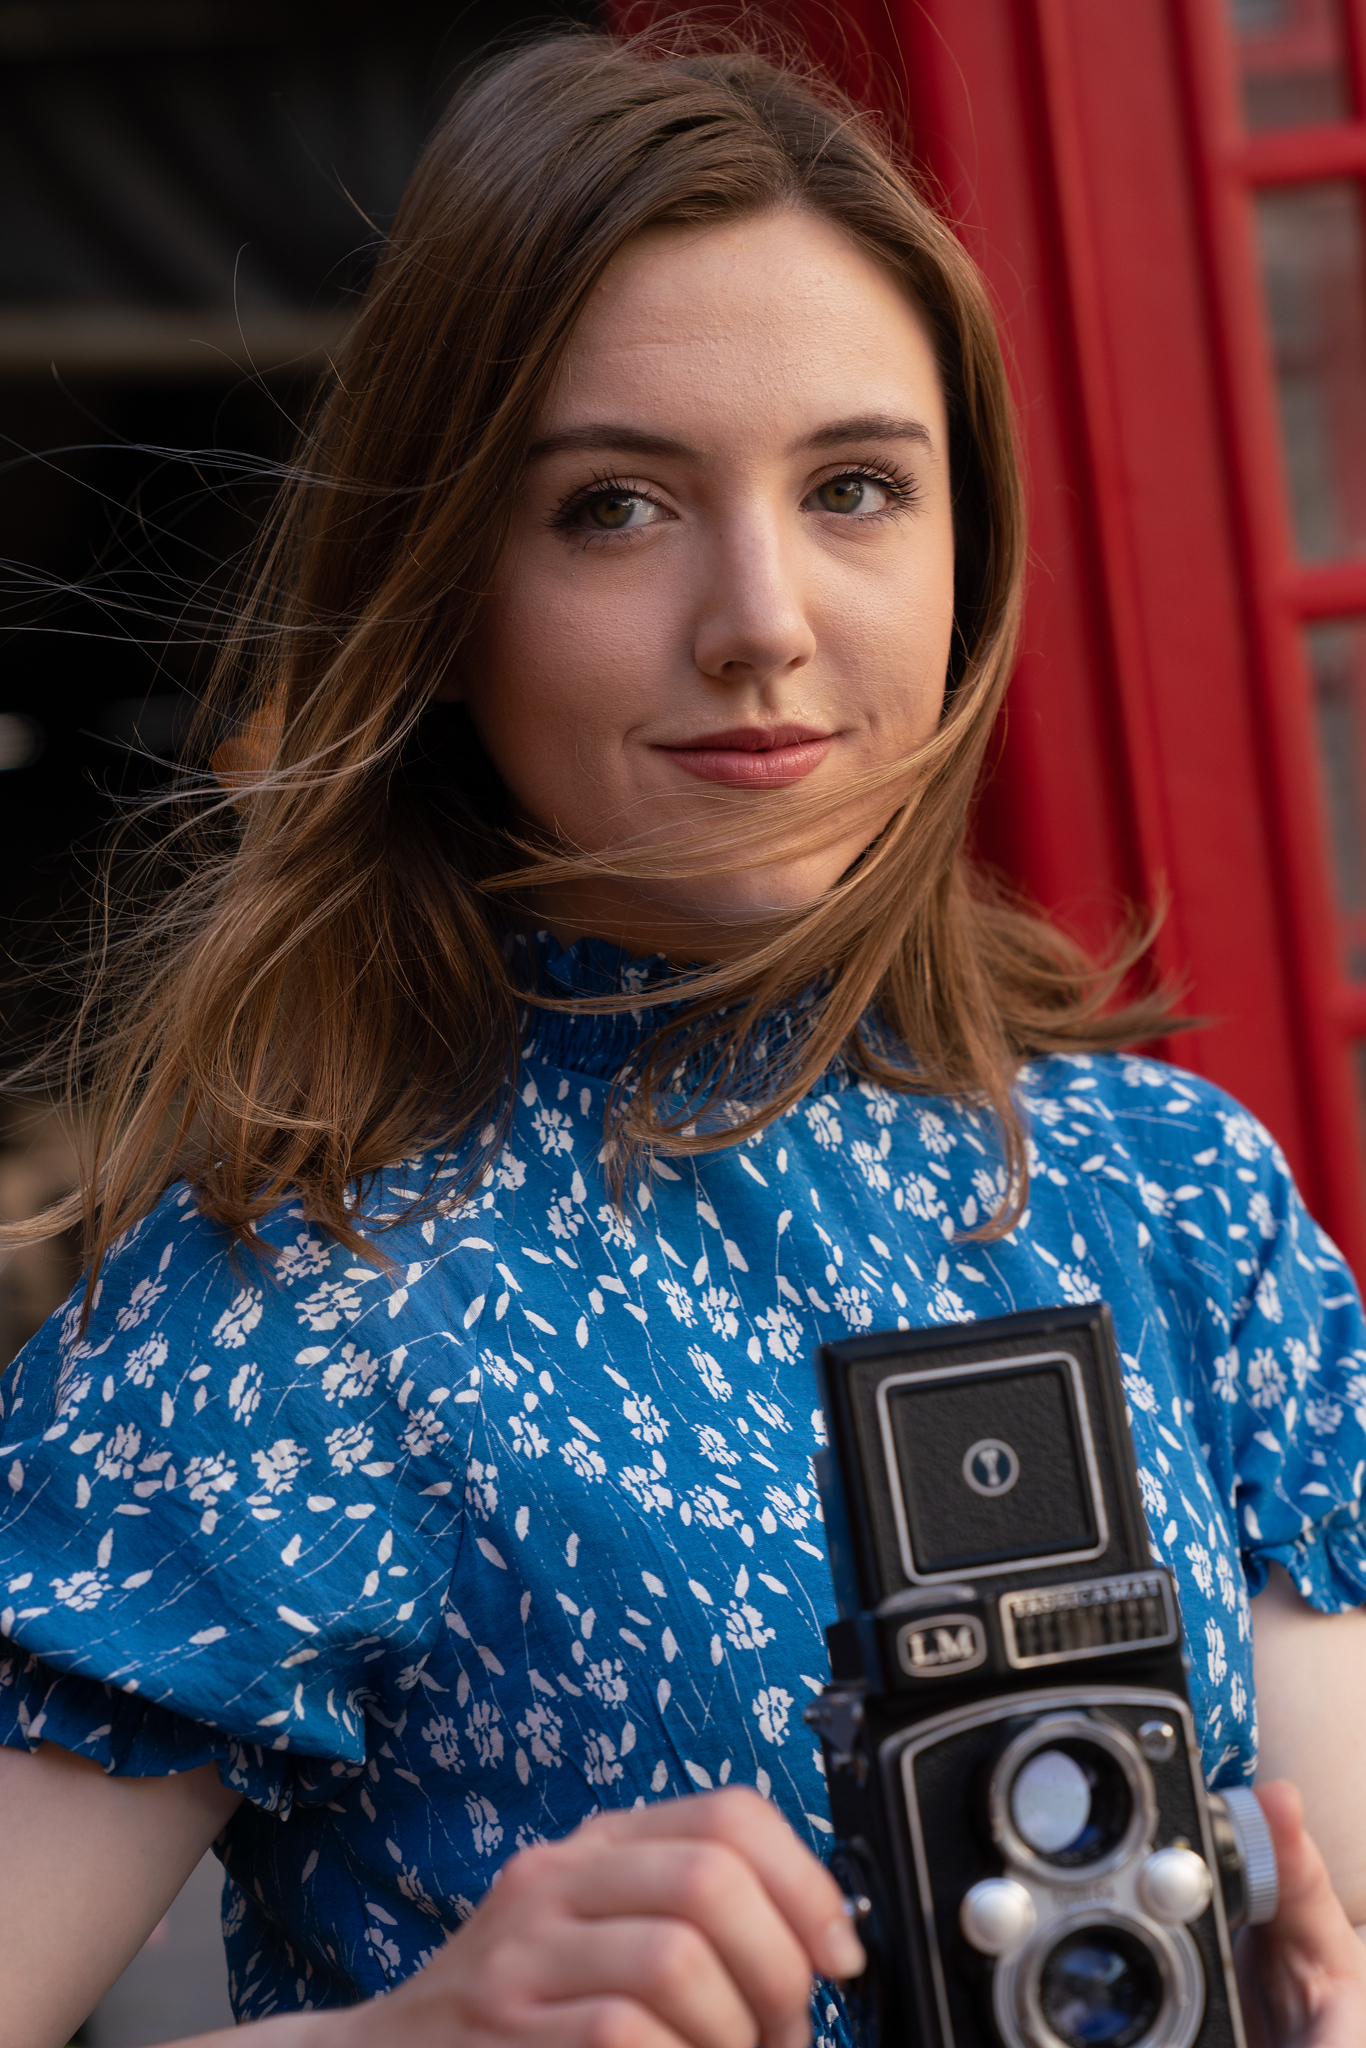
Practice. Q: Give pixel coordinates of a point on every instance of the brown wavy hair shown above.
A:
(326, 987)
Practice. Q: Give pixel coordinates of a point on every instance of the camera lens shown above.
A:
(1100, 1988)
(1050, 1801)
(1071, 1803)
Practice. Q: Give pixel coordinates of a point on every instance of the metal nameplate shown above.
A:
(1096, 1617)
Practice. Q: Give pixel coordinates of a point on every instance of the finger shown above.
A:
(520, 1965)
(799, 1885)
(1310, 1917)
(708, 1886)
(600, 2023)
(1306, 1966)
(1247, 1967)
(666, 1967)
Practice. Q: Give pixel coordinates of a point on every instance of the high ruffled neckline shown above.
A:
(600, 1045)
(597, 1044)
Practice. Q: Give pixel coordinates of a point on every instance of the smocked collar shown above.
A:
(601, 1045)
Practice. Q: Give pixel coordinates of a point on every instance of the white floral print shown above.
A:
(432, 1553)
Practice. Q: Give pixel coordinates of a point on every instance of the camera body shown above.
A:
(1021, 1820)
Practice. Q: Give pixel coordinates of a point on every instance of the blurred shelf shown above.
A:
(82, 28)
(131, 342)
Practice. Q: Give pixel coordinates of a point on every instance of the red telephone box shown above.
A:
(1167, 199)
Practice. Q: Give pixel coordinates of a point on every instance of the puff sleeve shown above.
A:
(1283, 1378)
(201, 1509)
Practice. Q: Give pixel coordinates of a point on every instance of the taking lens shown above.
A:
(1100, 1988)
(1071, 1803)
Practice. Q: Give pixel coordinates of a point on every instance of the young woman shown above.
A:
(583, 1009)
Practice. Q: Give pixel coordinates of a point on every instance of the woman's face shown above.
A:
(730, 570)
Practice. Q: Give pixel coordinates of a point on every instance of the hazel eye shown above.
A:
(613, 512)
(853, 493)
(618, 511)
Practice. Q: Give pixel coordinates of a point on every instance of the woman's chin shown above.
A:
(740, 912)
(711, 918)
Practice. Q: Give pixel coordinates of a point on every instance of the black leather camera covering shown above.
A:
(991, 1560)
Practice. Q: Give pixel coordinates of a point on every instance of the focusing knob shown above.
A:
(997, 1916)
(1175, 1885)
(1261, 1884)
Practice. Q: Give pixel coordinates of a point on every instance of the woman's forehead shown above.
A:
(759, 322)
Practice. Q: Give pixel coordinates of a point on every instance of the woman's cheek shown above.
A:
(552, 755)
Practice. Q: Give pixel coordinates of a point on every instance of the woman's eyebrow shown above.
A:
(616, 436)
(607, 434)
(621, 439)
(868, 426)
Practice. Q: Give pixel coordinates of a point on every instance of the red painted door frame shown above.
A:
(1106, 201)
(1071, 141)
(1158, 741)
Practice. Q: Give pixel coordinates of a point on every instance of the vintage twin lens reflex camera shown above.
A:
(1021, 1821)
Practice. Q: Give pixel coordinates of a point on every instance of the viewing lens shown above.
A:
(1050, 1801)
(1100, 1988)
(1071, 1802)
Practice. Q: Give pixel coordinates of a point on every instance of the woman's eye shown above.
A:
(852, 494)
(618, 511)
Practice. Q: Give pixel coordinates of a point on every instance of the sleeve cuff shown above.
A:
(1326, 1562)
(132, 1738)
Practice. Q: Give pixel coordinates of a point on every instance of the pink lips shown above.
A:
(753, 756)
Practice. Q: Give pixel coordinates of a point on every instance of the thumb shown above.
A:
(1308, 1958)
(1310, 1918)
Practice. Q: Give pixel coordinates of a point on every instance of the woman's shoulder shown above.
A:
(1208, 1191)
(1150, 1117)
(1136, 1085)
(175, 1295)
(235, 1376)
(1252, 1318)
(179, 1299)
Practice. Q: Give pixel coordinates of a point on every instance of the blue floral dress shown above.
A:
(433, 1559)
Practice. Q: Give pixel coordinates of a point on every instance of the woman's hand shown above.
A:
(1303, 1976)
(696, 1923)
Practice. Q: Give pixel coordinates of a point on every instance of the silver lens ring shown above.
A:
(1017, 1995)
(1051, 1732)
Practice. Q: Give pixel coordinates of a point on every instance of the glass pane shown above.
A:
(1360, 1052)
(1315, 280)
(1337, 662)
(1291, 61)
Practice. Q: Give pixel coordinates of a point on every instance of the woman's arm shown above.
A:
(88, 1865)
(695, 1923)
(1304, 1975)
(1311, 1717)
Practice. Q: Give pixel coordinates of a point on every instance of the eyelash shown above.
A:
(902, 490)
(602, 486)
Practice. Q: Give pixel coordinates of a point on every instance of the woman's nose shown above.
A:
(752, 622)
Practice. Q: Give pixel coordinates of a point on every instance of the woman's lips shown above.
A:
(753, 757)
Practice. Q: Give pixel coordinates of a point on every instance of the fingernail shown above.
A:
(840, 1952)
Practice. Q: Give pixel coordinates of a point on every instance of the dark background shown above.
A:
(193, 191)
(189, 188)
